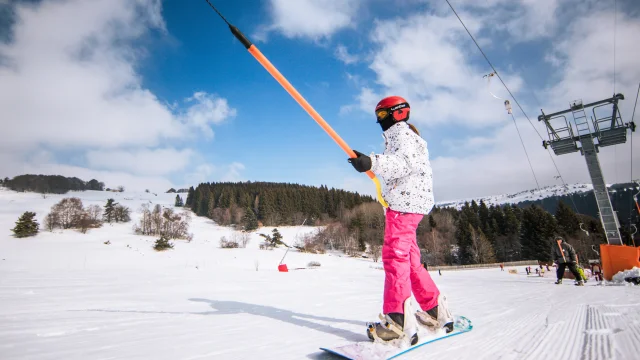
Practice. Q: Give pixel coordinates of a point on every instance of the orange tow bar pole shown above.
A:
(253, 50)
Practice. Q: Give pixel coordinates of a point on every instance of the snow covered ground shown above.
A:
(66, 295)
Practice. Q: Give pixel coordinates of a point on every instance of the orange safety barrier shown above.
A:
(616, 258)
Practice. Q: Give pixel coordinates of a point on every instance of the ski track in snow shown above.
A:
(66, 295)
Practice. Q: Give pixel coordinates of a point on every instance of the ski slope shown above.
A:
(67, 295)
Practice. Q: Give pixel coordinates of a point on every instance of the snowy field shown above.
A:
(67, 295)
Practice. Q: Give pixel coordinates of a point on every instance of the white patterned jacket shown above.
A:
(404, 166)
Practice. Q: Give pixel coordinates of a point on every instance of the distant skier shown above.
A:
(404, 166)
(564, 254)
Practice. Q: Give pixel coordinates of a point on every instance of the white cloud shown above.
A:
(202, 173)
(141, 161)
(342, 53)
(70, 83)
(427, 58)
(523, 20)
(42, 163)
(232, 172)
(583, 59)
(208, 172)
(207, 111)
(76, 85)
(311, 19)
(586, 54)
(442, 86)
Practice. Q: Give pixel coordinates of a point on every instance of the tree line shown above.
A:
(50, 184)
(271, 204)
(475, 234)
(354, 223)
(621, 196)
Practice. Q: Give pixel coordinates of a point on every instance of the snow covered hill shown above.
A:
(527, 195)
(67, 295)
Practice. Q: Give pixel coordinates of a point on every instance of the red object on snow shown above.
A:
(283, 268)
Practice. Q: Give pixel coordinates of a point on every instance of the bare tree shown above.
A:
(481, 248)
(122, 213)
(375, 251)
(165, 223)
(237, 214)
(84, 222)
(52, 221)
(95, 213)
(69, 211)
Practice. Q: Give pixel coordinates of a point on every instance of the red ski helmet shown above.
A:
(395, 106)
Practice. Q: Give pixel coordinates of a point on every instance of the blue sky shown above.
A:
(153, 94)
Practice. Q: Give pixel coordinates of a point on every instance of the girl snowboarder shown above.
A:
(404, 166)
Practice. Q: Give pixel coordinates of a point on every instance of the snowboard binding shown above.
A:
(390, 325)
(390, 331)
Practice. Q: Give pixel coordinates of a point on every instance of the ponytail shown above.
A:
(414, 129)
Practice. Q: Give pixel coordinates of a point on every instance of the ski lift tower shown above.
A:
(580, 134)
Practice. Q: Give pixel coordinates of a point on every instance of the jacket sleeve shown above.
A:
(391, 166)
(398, 164)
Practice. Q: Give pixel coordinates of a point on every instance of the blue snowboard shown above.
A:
(369, 350)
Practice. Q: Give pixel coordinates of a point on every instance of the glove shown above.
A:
(362, 163)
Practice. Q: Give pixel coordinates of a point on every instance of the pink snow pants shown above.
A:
(401, 260)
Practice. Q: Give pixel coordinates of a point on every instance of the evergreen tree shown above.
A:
(538, 228)
(512, 235)
(109, 210)
(568, 221)
(26, 225)
(190, 194)
(473, 217)
(463, 235)
(250, 221)
(203, 201)
(276, 237)
(195, 203)
(212, 206)
(432, 222)
(266, 207)
(162, 243)
(483, 214)
(179, 202)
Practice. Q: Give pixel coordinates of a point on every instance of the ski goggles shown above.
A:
(382, 114)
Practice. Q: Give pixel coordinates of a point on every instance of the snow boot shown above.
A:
(559, 281)
(438, 317)
(393, 327)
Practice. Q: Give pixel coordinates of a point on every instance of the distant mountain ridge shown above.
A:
(579, 196)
